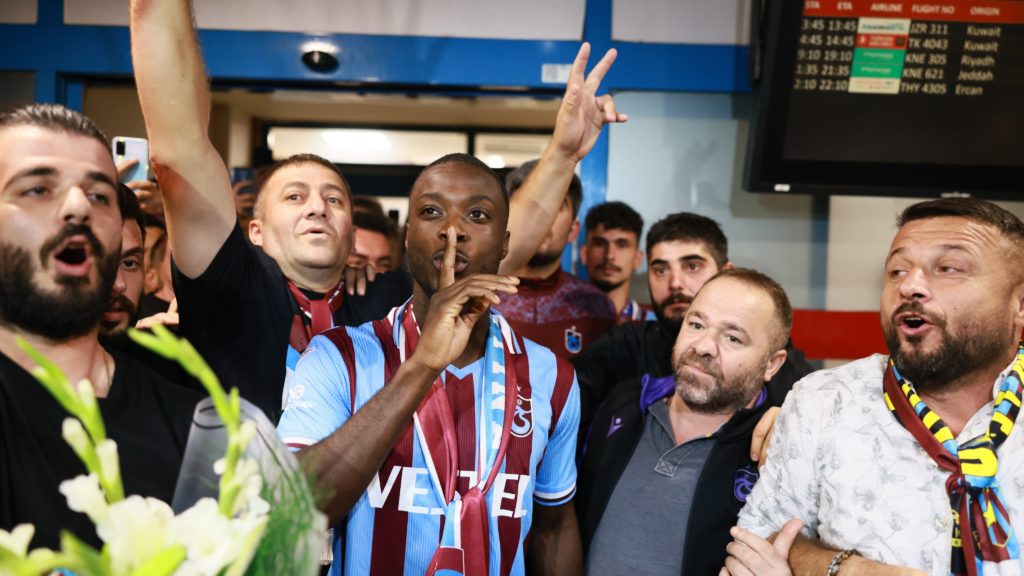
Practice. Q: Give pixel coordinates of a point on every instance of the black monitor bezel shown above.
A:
(766, 170)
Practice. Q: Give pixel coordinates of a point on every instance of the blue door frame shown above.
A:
(65, 58)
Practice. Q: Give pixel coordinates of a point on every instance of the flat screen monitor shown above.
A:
(906, 97)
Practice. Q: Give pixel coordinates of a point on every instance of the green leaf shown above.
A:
(52, 378)
(162, 564)
(85, 558)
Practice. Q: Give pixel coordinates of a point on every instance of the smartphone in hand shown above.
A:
(127, 148)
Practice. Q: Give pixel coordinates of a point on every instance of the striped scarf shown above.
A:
(465, 545)
(975, 497)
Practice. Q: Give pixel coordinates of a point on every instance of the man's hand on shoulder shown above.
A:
(358, 278)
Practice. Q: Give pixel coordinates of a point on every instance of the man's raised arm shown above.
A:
(175, 97)
(581, 117)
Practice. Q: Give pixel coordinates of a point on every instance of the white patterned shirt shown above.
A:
(841, 462)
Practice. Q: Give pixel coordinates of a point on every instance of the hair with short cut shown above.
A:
(265, 174)
(981, 211)
(59, 119)
(54, 117)
(375, 222)
(153, 221)
(690, 227)
(362, 203)
(466, 160)
(615, 216)
(131, 209)
(761, 281)
(158, 251)
(515, 180)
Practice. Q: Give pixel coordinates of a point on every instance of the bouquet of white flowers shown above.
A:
(260, 508)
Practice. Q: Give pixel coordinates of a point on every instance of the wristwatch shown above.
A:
(833, 566)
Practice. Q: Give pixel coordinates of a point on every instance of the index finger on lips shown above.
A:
(448, 262)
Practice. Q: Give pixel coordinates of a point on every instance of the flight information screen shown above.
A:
(908, 82)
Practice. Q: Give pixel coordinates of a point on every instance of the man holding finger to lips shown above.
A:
(427, 428)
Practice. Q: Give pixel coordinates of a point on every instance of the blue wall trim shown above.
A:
(468, 62)
(66, 58)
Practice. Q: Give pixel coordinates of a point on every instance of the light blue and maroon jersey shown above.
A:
(395, 526)
(560, 312)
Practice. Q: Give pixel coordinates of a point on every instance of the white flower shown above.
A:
(16, 541)
(246, 432)
(87, 395)
(110, 466)
(215, 542)
(75, 435)
(206, 534)
(247, 475)
(135, 529)
(84, 495)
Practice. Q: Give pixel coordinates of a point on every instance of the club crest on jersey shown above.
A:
(522, 418)
(573, 340)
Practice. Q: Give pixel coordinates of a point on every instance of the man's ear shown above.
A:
(151, 280)
(256, 232)
(638, 260)
(728, 265)
(574, 232)
(775, 362)
(1018, 303)
(504, 244)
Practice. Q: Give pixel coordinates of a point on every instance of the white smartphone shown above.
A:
(126, 148)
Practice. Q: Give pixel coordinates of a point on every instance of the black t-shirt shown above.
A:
(634, 349)
(167, 369)
(238, 315)
(150, 305)
(148, 417)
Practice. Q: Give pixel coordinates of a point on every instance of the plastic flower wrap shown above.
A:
(243, 505)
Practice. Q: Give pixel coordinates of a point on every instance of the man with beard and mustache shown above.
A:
(126, 297)
(612, 254)
(553, 307)
(60, 248)
(668, 464)
(901, 464)
(684, 250)
(441, 410)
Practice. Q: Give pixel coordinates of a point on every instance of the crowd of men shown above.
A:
(462, 404)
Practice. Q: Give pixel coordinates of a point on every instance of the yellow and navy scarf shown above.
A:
(974, 493)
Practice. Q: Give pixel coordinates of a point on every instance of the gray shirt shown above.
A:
(644, 525)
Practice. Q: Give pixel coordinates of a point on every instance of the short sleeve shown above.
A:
(212, 298)
(556, 479)
(317, 400)
(789, 487)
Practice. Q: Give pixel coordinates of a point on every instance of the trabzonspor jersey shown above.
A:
(560, 312)
(395, 526)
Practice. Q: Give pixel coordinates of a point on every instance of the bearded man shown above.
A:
(61, 221)
(911, 463)
(668, 464)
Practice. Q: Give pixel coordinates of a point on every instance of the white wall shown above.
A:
(524, 19)
(682, 21)
(860, 231)
(686, 152)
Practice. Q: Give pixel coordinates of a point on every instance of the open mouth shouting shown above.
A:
(73, 257)
(72, 252)
(913, 322)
